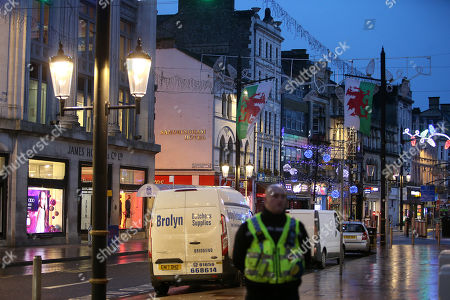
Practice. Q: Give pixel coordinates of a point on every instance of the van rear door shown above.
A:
(203, 232)
(168, 234)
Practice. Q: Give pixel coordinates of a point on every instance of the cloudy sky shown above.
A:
(410, 31)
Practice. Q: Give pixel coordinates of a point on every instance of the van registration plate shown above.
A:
(175, 267)
(350, 237)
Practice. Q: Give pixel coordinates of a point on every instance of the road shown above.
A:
(128, 276)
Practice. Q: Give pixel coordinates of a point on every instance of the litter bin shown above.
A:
(113, 232)
(421, 228)
(373, 237)
(445, 224)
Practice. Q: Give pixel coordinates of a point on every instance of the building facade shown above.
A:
(46, 187)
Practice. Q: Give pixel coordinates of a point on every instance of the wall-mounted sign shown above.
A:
(87, 152)
(189, 134)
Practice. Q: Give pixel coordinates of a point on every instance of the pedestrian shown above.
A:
(271, 250)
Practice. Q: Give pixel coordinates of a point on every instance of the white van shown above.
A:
(192, 234)
(323, 224)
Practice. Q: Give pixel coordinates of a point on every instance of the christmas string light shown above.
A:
(426, 136)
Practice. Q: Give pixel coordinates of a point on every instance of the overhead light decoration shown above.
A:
(353, 189)
(335, 194)
(426, 136)
(326, 157)
(308, 153)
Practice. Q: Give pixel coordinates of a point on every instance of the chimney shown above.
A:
(433, 102)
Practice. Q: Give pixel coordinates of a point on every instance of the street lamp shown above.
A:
(248, 174)
(408, 177)
(61, 70)
(225, 170)
(138, 67)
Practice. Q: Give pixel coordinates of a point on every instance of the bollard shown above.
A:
(391, 236)
(36, 285)
(444, 278)
(444, 258)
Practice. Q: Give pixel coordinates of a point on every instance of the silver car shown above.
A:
(356, 237)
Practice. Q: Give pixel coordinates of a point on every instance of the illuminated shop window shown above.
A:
(129, 176)
(46, 169)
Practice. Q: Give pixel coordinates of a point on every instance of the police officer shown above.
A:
(271, 250)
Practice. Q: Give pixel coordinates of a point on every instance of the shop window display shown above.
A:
(44, 210)
(130, 210)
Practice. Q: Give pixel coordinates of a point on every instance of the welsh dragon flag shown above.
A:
(358, 104)
(253, 99)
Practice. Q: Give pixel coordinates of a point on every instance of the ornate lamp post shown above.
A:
(138, 67)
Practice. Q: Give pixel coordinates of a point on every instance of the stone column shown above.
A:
(113, 124)
(72, 196)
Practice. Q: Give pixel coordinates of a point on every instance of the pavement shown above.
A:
(404, 272)
(23, 256)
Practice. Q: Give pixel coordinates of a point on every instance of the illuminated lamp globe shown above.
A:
(61, 70)
(138, 67)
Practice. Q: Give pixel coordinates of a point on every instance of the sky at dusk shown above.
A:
(407, 28)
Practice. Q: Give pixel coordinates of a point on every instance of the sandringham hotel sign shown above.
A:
(189, 134)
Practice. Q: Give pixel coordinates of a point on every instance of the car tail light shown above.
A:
(364, 236)
(150, 241)
(224, 236)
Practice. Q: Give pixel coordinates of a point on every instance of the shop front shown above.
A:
(46, 186)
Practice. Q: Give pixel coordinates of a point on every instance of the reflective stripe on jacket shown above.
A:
(266, 262)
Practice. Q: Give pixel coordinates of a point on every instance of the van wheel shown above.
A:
(323, 259)
(161, 289)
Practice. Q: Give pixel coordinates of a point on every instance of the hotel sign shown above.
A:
(189, 134)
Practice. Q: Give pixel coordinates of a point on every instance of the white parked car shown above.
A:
(192, 234)
(356, 237)
(324, 225)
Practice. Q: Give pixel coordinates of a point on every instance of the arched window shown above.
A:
(224, 105)
(222, 151)
(260, 47)
(230, 107)
(246, 153)
(230, 151)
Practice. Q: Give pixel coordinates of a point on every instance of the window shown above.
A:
(265, 122)
(125, 118)
(269, 164)
(131, 206)
(86, 31)
(131, 176)
(230, 107)
(267, 49)
(46, 169)
(230, 151)
(224, 105)
(45, 202)
(260, 47)
(270, 51)
(275, 132)
(222, 151)
(265, 158)
(84, 98)
(275, 160)
(126, 37)
(270, 123)
(37, 94)
(40, 25)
